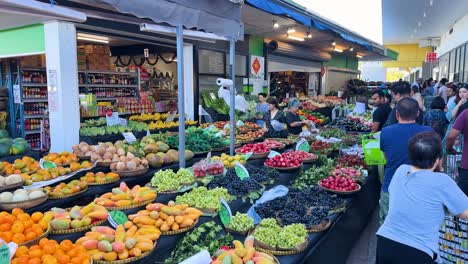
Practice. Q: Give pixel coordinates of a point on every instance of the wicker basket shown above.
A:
(37, 239)
(124, 261)
(320, 227)
(133, 206)
(132, 173)
(341, 192)
(300, 248)
(56, 197)
(208, 211)
(255, 155)
(310, 160)
(232, 231)
(182, 230)
(283, 169)
(192, 185)
(77, 230)
(25, 204)
(84, 157)
(107, 182)
(104, 164)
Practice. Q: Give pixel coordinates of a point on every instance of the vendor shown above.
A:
(260, 109)
(293, 120)
(275, 120)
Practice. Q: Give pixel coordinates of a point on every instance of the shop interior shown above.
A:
(114, 74)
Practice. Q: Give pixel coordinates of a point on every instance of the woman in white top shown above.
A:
(416, 94)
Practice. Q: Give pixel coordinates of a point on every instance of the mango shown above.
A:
(227, 260)
(58, 224)
(103, 230)
(236, 259)
(135, 252)
(90, 244)
(249, 242)
(123, 187)
(98, 256)
(130, 243)
(87, 209)
(76, 223)
(154, 207)
(249, 254)
(98, 215)
(117, 191)
(144, 246)
(110, 256)
(105, 237)
(249, 262)
(121, 203)
(154, 215)
(123, 255)
(104, 246)
(93, 235)
(118, 247)
(119, 197)
(120, 233)
(75, 213)
(106, 203)
(172, 211)
(87, 221)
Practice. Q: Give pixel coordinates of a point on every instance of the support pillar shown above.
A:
(62, 85)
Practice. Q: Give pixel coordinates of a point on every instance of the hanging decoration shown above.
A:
(119, 62)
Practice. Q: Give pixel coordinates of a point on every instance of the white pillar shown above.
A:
(188, 82)
(62, 82)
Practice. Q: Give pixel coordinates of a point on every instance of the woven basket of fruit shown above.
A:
(128, 207)
(54, 196)
(182, 230)
(132, 173)
(320, 227)
(124, 261)
(33, 197)
(84, 157)
(11, 186)
(104, 183)
(77, 230)
(284, 168)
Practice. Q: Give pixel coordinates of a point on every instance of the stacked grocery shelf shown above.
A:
(34, 94)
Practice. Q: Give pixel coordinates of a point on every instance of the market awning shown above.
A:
(278, 9)
(222, 18)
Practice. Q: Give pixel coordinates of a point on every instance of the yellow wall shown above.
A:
(409, 55)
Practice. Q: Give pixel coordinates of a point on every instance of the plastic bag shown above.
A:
(200, 169)
(215, 167)
(273, 193)
(278, 126)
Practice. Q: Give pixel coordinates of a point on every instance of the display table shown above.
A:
(331, 246)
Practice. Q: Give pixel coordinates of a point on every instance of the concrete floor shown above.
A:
(365, 249)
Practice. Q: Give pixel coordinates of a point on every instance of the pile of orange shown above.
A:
(51, 252)
(63, 158)
(20, 227)
(74, 166)
(100, 177)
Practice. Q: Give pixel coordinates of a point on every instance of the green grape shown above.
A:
(201, 197)
(270, 233)
(241, 222)
(167, 180)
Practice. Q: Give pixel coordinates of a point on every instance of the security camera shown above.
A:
(224, 82)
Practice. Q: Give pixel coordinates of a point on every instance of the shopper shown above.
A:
(293, 120)
(380, 114)
(418, 83)
(394, 144)
(443, 89)
(418, 198)
(436, 118)
(401, 90)
(460, 126)
(261, 108)
(416, 95)
(436, 88)
(452, 96)
(275, 120)
(453, 109)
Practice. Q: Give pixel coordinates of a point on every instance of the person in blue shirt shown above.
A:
(394, 144)
(260, 109)
(418, 198)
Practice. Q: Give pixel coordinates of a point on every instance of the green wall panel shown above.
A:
(22, 41)
(256, 45)
(343, 61)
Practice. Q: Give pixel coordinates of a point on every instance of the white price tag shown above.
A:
(171, 117)
(123, 121)
(129, 137)
(201, 257)
(113, 119)
(17, 94)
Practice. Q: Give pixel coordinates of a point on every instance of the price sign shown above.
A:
(225, 213)
(45, 164)
(116, 218)
(171, 116)
(303, 145)
(241, 171)
(112, 119)
(123, 122)
(248, 155)
(148, 133)
(273, 154)
(129, 137)
(239, 123)
(201, 257)
(5, 255)
(17, 94)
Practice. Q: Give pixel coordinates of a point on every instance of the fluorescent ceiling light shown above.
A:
(358, 56)
(93, 38)
(295, 38)
(275, 24)
(309, 35)
(291, 30)
(351, 49)
(334, 43)
(338, 50)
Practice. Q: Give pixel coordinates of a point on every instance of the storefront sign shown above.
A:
(257, 66)
(431, 56)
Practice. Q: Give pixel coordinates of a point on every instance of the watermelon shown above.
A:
(18, 148)
(4, 147)
(4, 134)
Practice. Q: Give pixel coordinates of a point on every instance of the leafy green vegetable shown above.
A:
(209, 236)
(313, 175)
